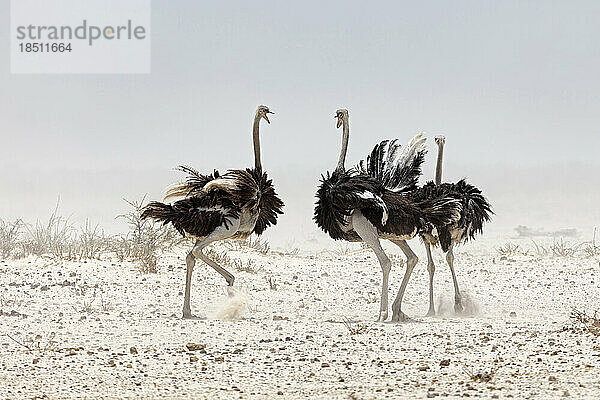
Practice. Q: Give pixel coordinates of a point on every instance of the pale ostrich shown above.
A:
(357, 207)
(217, 207)
(475, 210)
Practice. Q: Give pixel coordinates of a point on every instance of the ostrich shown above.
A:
(218, 207)
(475, 210)
(356, 207)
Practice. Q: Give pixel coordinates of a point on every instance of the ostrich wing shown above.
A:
(238, 185)
(474, 209)
(250, 189)
(193, 184)
(398, 168)
(340, 194)
(196, 216)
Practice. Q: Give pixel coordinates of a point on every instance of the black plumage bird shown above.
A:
(475, 211)
(217, 207)
(355, 206)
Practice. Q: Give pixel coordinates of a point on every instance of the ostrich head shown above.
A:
(341, 115)
(262, 112)
(440, 140)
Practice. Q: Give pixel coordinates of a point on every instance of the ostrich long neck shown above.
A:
(256, 139)
(345, 136)
(438, 168)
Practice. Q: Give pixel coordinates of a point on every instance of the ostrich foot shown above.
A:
(399, 317)
(431, 312)
(383, 315)
(188, 315)
(231, 291)
(458, 307)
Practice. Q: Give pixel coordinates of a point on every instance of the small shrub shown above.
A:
(91, 242)
(562, 248)
(10, 233)
(147, 239)
(120, 246)
(53, 238)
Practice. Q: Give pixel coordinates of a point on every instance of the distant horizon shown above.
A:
(538, 197)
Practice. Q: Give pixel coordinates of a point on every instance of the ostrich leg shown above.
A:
(190, 261)
(368, 233)
(431, 269)
(411, 261)
(222, 232)
(458, 307)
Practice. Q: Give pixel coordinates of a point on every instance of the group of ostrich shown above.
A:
(378, 199)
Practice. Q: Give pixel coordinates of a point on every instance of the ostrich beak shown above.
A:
(266, 117)
(339, 122)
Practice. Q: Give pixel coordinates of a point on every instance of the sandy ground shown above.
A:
(101, 329)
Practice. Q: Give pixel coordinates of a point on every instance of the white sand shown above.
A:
(291, 341)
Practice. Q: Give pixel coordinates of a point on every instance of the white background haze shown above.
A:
(512, 85)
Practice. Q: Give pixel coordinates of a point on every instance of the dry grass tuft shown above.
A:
(481, 376)
(291, 251)
(588, 323)
(86, 307)
(356, 328)
(262, 246)
(37, 343)
(227, 262)
(222, 259)
(105, 305)
(52, 239)
(256, 243)
(57, 239)
(272, 283)
(540, 249)
(10, 233)
(145, 240)
(591, 249)
(562, 248)
(509, 249)
(91, 242)
(248, 267)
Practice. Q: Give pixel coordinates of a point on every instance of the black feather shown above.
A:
(205, 207)
(193, 184)
(197, 216)
(340, 194)
(475, 210)
(269, 204)
(396, 173)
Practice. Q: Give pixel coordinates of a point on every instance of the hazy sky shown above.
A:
(510, 83)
